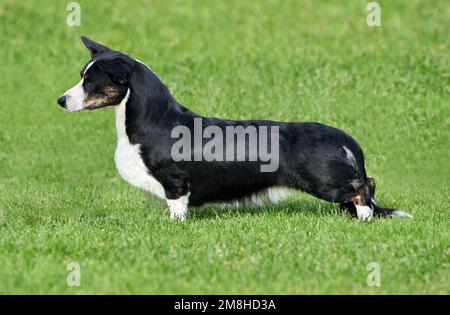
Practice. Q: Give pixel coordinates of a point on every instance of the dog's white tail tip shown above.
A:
(400, 213)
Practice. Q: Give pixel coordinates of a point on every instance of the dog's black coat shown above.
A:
(312, 157)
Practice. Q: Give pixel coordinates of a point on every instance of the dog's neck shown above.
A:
(147, 101)
(149, 96)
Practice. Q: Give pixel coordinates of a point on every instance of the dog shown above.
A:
(314, 158)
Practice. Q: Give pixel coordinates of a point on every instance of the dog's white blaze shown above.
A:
(128, 158)
(75, 96)
(364, 213)
(178, 207)
(88, 66)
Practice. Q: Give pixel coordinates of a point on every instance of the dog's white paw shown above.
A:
(178, 216)
(178, 208)
(364, 213)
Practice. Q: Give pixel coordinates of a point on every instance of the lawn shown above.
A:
(62, 200)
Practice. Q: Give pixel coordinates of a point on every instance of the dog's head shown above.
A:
(104, 80)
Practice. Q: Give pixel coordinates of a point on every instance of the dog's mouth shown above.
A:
(73, 110)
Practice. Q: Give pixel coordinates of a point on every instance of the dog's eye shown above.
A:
(87, 79)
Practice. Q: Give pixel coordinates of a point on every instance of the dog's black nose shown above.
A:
(62, 101)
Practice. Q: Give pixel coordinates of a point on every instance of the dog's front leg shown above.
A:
(176, 187)
(178, 208)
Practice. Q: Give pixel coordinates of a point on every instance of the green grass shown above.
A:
(62, 200)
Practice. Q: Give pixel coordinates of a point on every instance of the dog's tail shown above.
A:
(379, 211)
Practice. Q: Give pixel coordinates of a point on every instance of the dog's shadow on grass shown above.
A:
(290, 206)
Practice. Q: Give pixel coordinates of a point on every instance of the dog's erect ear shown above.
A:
(93, 47)
(117, 69)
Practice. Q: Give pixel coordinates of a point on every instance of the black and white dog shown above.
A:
(314, 158)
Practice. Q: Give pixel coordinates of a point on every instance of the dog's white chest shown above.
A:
(128, 159)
